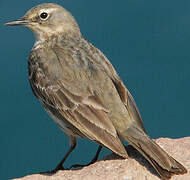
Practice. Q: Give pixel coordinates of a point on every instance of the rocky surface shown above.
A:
(134, 168)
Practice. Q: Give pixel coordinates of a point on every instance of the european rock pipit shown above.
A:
(82, 92)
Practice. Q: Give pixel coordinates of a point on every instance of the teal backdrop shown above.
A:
(148, 42)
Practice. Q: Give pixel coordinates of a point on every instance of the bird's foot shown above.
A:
(91, 162)
(77, 166)
(51, 172)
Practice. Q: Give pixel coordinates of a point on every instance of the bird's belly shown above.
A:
(63, 126)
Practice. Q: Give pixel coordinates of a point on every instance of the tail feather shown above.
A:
(165, 165)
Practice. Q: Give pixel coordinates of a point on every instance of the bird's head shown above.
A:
(48, 20)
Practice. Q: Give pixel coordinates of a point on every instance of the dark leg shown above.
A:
(92, 161)
(72, 147)
(96, 155)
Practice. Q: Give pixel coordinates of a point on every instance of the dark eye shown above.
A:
(44, 15)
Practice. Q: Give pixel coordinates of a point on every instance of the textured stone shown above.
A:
(134, 168)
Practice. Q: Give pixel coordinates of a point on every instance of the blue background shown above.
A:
(147, 42)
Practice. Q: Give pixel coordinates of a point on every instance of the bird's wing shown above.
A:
(123, 92)
(71, 96)
(129, 102)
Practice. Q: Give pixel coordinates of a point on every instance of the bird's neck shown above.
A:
(51, 40)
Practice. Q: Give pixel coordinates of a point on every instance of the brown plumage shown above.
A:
(82, 92)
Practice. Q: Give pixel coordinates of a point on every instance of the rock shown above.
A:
(135, 167)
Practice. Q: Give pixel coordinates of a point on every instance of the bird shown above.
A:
(82, 92)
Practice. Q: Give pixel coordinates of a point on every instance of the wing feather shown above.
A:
(74, 92)
(84, 116)
(129, 102)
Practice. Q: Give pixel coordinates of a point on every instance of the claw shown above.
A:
(77, 166)
(52, 172)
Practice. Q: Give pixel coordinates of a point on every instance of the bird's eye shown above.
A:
(44, 16)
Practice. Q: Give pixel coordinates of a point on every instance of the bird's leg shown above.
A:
(92, 161)
(73, 143)
(96, 156)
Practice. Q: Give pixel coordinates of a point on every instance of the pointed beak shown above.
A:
(18, 22)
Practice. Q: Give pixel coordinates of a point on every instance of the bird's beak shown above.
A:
(18, 22)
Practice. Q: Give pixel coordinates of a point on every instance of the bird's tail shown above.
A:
(165, 165)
